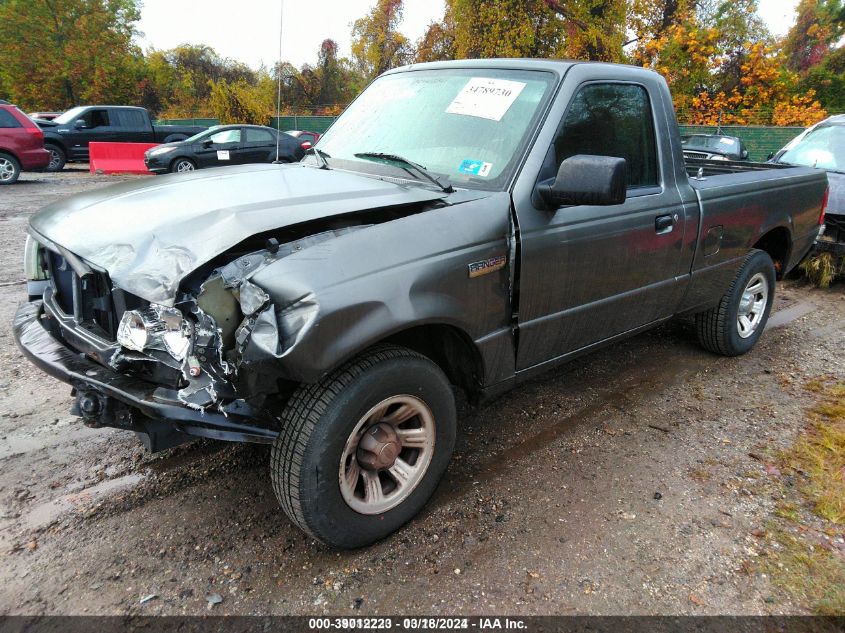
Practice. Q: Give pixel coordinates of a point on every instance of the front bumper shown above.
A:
(156, 165)
(122, 398)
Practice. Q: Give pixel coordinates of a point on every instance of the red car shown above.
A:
(308, 139)
(21, 145)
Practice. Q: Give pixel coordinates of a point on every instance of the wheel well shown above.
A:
(59, 144)
(450, 348)
(777, 243)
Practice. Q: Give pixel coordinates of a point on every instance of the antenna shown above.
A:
(279, 73)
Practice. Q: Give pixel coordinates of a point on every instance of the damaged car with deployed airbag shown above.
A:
(462, 225)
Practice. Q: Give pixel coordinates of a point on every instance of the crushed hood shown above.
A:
(150, 235)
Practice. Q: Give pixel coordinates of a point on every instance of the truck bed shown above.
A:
(697, 168)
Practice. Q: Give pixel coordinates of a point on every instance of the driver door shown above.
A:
(220, 148)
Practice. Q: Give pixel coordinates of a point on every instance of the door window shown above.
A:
(96, 118)
(255, 135)
(612, 120)
(226, 136)
(129, 119)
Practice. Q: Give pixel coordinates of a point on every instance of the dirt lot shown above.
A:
(625, 483)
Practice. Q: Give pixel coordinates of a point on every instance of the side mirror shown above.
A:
(207, 143)
(584, 179)
(770, 156)
(79, 124)
(744, 155)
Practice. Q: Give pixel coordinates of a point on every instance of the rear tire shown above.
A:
(343, 487)
(10, 169)
(58, 158)
(736, 323)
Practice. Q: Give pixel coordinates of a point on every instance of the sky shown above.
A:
(252, 35)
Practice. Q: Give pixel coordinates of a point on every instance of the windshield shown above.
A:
(68, 116)
(823, 147)
(720, 143)
(200, 135)
(468, 125)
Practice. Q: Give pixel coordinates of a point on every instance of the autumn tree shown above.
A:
(178, 82)
(55, 54)
(812, 48)
(377, 44)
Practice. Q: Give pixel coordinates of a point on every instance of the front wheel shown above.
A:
(182, 165)
(58, 158)
(736, 323)
(362, 451)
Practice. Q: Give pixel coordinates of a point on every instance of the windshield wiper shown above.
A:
(321, 157)
(442, 182)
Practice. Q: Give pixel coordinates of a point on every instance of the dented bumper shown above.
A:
(125, 402)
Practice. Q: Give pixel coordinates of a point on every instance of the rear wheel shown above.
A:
(58, 158)
(362, 451)
(10, 169)
(734, 326)
(181, 165)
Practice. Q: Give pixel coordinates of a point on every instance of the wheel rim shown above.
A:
(184, 165)
(752, 305)
(55, 159)
(387, 454)
(7, 170)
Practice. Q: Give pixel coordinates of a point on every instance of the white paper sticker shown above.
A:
(486, 98)
(728, 141)
(222, 154)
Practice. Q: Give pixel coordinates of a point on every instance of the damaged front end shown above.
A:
(203, 366)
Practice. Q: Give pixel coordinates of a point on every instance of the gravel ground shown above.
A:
(622, 483)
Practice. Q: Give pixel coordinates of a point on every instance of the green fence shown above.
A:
(200, 122)
(761, 140)
(317, 124)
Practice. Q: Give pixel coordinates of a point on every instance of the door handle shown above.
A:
(665, 223)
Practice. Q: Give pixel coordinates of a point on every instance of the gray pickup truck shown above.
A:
(329, 307)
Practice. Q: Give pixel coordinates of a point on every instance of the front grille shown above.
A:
(696, 155)
(91, 300)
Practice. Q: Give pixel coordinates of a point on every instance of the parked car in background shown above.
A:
(224, 145)
(823, 146)
(44, 116)
(67, 136)
(308, 139)
(713, 147)
(21, 145)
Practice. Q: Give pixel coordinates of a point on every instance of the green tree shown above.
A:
(377, 44)
(59, 53)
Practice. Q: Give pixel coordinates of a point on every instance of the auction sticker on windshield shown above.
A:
(486, 98)
(475, 168)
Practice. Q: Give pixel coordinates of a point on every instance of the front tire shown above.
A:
(58, 158)
(734, 326)
(361, 452)
(10, 169)
(182, 165)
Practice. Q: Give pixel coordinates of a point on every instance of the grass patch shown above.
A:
(820, 269)
(810, 573)
(805, 564)
(819, 455)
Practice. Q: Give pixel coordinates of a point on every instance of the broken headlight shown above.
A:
(156, 328)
